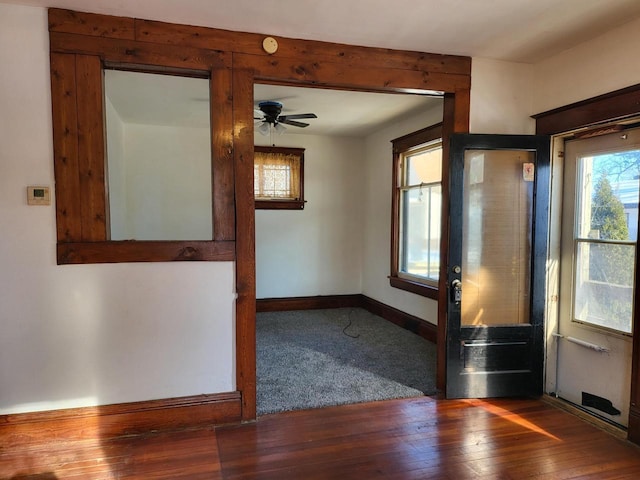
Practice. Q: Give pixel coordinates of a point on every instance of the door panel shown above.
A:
(499, 208)
(598, 248)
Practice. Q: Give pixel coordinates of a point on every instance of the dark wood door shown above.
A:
(499, 203)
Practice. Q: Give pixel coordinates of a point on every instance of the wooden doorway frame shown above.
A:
(604, 109)
(234, 61)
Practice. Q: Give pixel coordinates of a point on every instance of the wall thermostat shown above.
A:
(38, 196)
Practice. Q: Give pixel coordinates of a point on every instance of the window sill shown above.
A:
(280, 204)
(414, 287)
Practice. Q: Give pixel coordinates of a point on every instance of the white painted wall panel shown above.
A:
(318, 250)
(377, 218)
(83, 335)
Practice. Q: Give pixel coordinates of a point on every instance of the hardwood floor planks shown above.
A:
(399, 439)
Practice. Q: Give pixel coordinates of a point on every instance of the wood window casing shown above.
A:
(276, 203)
(235, 61)
(400, 146)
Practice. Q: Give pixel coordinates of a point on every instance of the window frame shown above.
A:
(279, 203)
(401, 146)
(81, 193)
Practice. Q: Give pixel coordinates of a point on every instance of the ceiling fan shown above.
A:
(268, 114)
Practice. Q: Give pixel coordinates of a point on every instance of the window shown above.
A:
(605, 242)
(417, 204)
(278, 178)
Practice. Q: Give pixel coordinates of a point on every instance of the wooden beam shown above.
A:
(144, 251)
(307, 71)
(91, 148)
(245, 241)
(65, 147)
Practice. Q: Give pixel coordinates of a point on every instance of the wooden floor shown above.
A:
(398, 439)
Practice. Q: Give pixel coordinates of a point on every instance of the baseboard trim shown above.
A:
(308, 303)
(585, 416)
(426, 330)
(134, 418)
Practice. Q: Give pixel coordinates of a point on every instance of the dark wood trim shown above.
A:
(418, 288)
(142, 251)
(251, 43)
(65, 147)
(425, 329)
(131, 52)
(245, 241)
(180, 49)
(308, 303)
(602, 109)
(91, 148)
(91, 24)
(222, 187)
(280, 204)
(409, 322)
(307, 71)
(399, 146)
(455, 120)
(424, 135)
(611, 106)
(85, 423)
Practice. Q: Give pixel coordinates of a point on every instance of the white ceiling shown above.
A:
(153, 99)
(512, 30)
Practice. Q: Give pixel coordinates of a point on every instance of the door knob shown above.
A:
(456, 291)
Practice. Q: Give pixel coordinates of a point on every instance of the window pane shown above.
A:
(276, 176)
(424, 166)
(420, 231)
(604, 284)
(608, 196)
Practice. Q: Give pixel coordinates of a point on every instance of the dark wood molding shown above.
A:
(409, 322)
(616, 105)
(418, 288)
(142, 251)
(197, 411)
(424, 135)
(280, 204)
(455, 120)
(399, 146)
(308, 303)
(234, 61)
(245, 241)
(425, 329)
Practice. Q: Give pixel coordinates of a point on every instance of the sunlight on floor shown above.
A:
(512, 417)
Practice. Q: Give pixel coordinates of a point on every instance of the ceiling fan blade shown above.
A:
(296, 116)
(293, 122)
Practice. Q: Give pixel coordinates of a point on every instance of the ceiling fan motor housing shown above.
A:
(271, 110)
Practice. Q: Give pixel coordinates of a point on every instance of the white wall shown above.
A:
(167, 183)
(501, 97)
(82, 335)
(377, 218)
(318, 250)
(604, 64)
(117, 172)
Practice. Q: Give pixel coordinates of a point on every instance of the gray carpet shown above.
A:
(306, 360)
